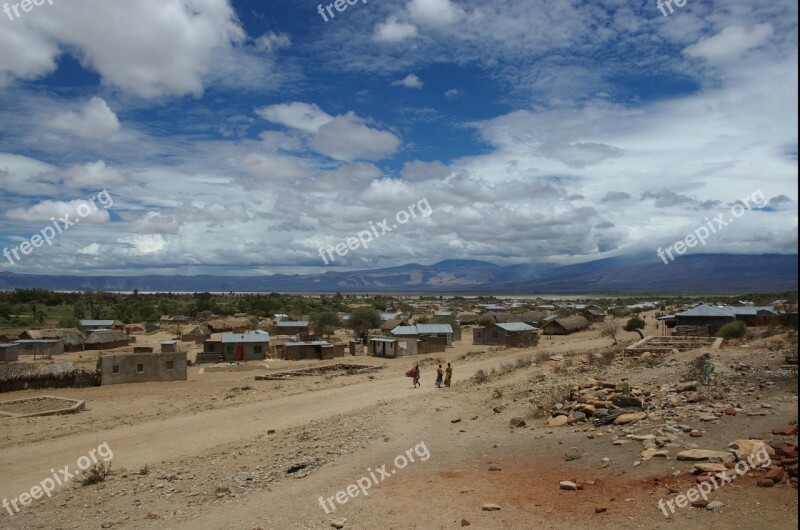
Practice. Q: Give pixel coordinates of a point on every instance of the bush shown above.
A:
(734, 330)
(480, 377)
(96, 474)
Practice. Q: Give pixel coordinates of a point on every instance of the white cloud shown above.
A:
(347, 139)
(95, 121)
(394, 31)
(297, 115)
(453, 93)
(730, 43)
(46, 210)
(273, 41)
(273, 167)
(410, 81)
(437, 12)
(93, 174)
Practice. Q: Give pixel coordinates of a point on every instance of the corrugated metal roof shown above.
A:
(312, 343)
(752, 311)
(292, 323)
(434, 328)
(97, 322)
(405, 330)
(516, 326)
(382, 339)
(169, 342)
(706, 311)
(231, 338)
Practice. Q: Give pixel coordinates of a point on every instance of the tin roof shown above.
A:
(706, 311)
(434, 328)
(292, 324)
(405, 330)
(322, 343)
(232, 338)
(97, 322)
(516, 326)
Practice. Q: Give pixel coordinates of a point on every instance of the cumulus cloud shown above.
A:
(730, 43)
(297, 115)
(272, 41)
(418, 170)
(94, 121)
(93, 174)
(615, 196)
(394, 31)
(154, 223)
(46, 210)
(437, 12)
(273, 167)
(346, 138)
(410, 81)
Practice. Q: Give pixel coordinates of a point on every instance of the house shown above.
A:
(235, 347)
(565, 325)
(593, 315)
(9, 352)
(756, 316)
(169, 346)
(41, 347)
(392, 347)
(510, 334)
(118, 368)
(708, 316)
(444, 331)
(107, 339)
(198, 335)
(93, 325)
(320, 349)
(234, 325)
(292, 327)
(389, 325)
(465, 319)
(72, 337)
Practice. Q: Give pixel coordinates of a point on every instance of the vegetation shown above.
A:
(326, 322)
(733, 330)
(609, 328)
(635, 324)
(363, 319)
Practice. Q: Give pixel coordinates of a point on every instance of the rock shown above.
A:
(699, 503)
(338, 523)
(517, 422)
(558, 421)
(495, 468)
(271, 431)
(600, 509)
(696, 433)
(498, 410)
(457, 420)
(567, 485)
(704, 454)
(464, 522)
(765, 483)
(642, 437)
(713, 505)
(577, 416)
(730, 411)
(625, 402)
(489, 507)
(619, 442)
(556, 357)
(686, 387)
(152, 515)
(789, 430)
(632, 417)
(775, 474)
(106, 525)
(708, 417)
(709, 467)
(745, 448)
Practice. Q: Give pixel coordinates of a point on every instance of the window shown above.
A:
(140, 368)
(115, 369)
(228, 349)
(257, 349)
(170, 365)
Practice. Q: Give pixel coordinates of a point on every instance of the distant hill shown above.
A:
(701, 273)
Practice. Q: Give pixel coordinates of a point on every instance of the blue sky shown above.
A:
(240, 137)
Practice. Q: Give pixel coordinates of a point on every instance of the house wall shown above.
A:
(432, 345)
(9, 352)
(713, 323)
(107, 345)
(154, 367)
(253, 351)
(384, 349)
(46, 349)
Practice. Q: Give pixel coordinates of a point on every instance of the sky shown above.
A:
(246, 137)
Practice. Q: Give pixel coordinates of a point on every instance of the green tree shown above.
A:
(326, 322)
(635, 324)
(363, 319)
(485, 321)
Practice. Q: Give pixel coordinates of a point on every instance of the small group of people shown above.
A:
(443, 377)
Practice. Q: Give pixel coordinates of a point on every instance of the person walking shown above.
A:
(415, 375)
(439, 376)
(448, 375)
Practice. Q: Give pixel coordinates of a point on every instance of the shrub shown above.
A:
(733, 330)
(96, 474)
(480, 377)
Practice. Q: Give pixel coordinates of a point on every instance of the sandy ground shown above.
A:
(219, 446)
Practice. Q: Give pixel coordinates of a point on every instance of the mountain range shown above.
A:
(697, 274)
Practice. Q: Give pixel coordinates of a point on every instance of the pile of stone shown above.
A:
(602, 403)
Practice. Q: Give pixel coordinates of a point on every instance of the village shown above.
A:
(579, 405)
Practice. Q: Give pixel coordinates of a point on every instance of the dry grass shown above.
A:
(96, 474)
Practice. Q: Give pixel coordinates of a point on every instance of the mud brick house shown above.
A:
(41, 348)
(233, 347)
(292, 327)
(107, 339)
(393, 347)
(9, 352)
(511, 334)
(72, 337)
(118, 368)
(94, 325)
(565, 325)
(320, 349)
